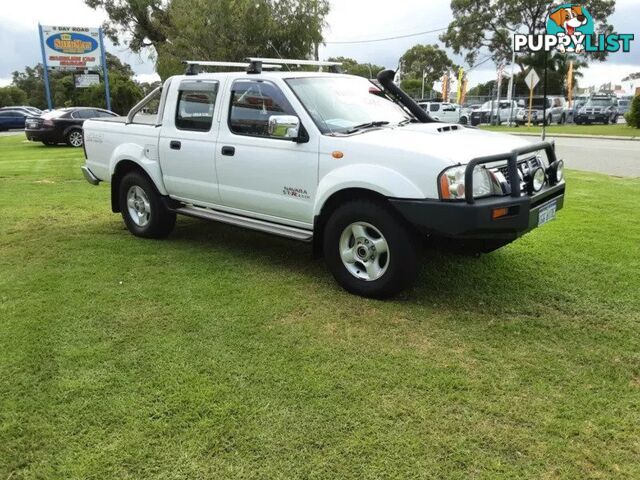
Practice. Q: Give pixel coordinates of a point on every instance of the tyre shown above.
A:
(464, 121)
(143, 211)
(563, 120)
(369, 249)
(73, 138)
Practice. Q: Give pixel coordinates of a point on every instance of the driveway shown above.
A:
(11, 132)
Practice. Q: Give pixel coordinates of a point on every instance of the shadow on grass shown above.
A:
(491, 281)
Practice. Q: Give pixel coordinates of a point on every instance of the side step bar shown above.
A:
(246, 222)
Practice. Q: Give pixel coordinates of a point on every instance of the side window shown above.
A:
(434, 107)
(196, 105)
(84, 114)
(253, 102)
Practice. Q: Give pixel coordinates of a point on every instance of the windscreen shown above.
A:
(338, 104)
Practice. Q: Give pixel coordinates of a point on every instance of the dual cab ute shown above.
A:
(363, 174)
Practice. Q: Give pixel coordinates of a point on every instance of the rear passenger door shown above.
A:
(188, 140)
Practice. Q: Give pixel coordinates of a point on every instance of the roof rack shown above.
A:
(256, 64)
(333, 66)
(194, 66)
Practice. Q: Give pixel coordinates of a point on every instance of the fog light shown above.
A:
(560, 171)
(538, 180)
(556, 172)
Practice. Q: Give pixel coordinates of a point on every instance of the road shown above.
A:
(612, 157)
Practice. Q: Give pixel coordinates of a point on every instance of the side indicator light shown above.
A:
(498, 213)
(337, 155)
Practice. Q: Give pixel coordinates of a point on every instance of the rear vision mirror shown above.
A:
(284, 126)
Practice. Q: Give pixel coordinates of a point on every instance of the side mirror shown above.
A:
(284, 126)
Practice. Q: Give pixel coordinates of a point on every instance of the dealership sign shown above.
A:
(87, 80)
(70, 48)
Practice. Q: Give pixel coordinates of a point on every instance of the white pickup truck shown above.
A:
(363, 174)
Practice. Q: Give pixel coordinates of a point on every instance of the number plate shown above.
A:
(547, 214)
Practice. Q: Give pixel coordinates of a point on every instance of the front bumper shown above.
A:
(475, 221)
(592, 117)
(474, 218)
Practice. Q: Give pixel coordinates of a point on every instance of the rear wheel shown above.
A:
(369, 250)
(143, 211)
(74, 138)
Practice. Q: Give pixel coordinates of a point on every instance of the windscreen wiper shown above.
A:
(364, 126)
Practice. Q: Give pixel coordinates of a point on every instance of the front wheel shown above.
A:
(74, 138)
(369, 250)
(143, 211)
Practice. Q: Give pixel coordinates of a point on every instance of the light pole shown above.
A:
(424, 74)
(370, 71)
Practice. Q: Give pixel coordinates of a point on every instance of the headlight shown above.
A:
(452, 183)
(582, 110)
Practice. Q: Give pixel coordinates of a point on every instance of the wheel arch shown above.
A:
(120, 170)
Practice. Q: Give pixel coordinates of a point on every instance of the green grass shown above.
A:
(621, 130)
(222, 353)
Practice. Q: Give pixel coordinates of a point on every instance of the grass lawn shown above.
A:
(223, 353)
(621, 130)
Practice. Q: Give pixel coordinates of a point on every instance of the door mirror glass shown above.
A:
(284, 126)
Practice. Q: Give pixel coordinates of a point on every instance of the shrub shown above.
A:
(633, 115)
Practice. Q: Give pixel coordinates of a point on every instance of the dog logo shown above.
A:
(572, 21)
(570, 28)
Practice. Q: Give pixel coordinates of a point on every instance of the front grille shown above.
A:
(525, 167)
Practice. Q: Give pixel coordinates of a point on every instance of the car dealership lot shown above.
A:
(205, 356)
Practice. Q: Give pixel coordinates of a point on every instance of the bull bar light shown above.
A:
(556, 172)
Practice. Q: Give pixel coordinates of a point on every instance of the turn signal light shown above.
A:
(499, 213)
(337, 155)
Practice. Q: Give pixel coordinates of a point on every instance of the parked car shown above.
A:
(446, 112)
(63, 125)
(624, 105)
(499, 111)
(31, 111)
(598, 109)
(555, 111)
(316, 157)
(571, 112)
(12, 119)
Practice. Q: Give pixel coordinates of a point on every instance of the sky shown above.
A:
(349, 20)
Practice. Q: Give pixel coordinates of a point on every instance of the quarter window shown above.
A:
(434, 107)
(252, 103)
(195, 109)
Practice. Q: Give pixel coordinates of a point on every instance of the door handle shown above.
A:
(175, 145)
(228, 151)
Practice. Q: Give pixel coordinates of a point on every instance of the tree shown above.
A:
(220, 30)
(491, 24)
(124, 91)
(633, 115)
(352, 67)
(429, 59)
(11, 95)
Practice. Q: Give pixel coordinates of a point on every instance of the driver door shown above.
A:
(258, 173)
